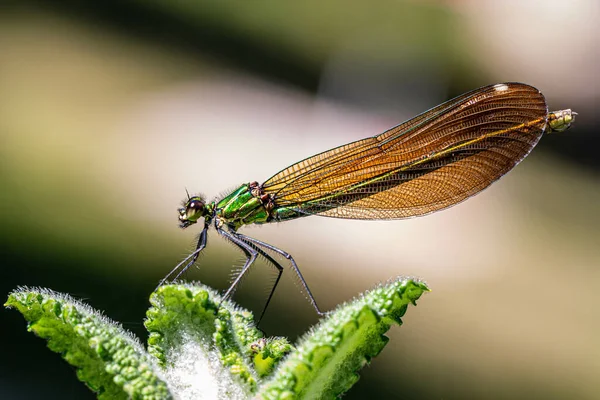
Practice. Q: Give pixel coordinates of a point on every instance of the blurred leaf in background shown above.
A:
(109, 110)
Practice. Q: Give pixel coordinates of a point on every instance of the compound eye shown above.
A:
(196, 205)
(194, 208)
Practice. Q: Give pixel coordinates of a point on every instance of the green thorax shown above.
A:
(241, 207)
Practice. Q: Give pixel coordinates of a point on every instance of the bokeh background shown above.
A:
(109, 110)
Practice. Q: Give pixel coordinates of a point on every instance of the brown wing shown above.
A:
(428, 163)
(287, 182)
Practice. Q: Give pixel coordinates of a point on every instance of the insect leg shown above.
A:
(274, 263)
(251, 255)
(292, 262)
(193, 256)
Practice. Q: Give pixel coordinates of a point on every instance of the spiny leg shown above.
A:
(201, 245)
(274, 263)
(194, 256)
(251, 255)
(292, 262)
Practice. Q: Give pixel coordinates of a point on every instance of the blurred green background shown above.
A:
(109, 110)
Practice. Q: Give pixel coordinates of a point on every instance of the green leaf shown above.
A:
(109, 360)
(203, 347)
(203, 342)
(266, 353)
(326, 361)
(180, 313)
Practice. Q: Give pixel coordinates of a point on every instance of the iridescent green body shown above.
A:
(247, 205)
(241, 207)
(426, 164)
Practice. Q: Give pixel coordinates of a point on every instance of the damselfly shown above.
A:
(431, 162)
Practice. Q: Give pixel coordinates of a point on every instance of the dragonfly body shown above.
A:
(244, 206)
(426, 164)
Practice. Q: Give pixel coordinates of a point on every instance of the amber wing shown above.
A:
(426, 164)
